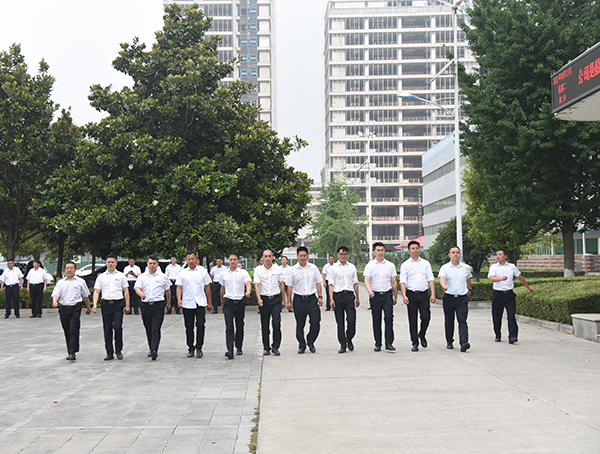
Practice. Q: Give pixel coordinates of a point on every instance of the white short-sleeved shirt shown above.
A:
(11, 277)
(37, 276)
(269, 279)
(304, 280)
(342, 277)
(381, 274)
(416, 274)
(509, 270)
(136, 269)
(234, 283)
(153, 286)
(216, 271)
(172, 271)
(71, 291)
(325, 271)
(111, 285)
(456, 277)
(192, 283)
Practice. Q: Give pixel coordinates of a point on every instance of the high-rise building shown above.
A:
(374, 51)
(247, 31)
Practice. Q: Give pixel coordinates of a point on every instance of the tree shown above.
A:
(26, 112)
(473, 254)
(536, 172)
(181, 161)
(336, 221)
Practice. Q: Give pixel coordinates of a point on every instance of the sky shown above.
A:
(79, 40)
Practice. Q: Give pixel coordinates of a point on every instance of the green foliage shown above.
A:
(473, 254)
(482, 291)
(25, 300)
(528, 171)
(335, 224)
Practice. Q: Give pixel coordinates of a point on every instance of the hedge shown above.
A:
(25, 301)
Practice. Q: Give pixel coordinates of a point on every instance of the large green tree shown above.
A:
(336, 222)
(181, 161)
(26, 113)
(529, 170)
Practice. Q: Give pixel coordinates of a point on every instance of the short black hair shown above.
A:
(153, 257)
(172, 255)
(72, 262)
(452, 247)
(302, 249)
(410, 243)
(342, 248)
(503, 251)
(284, 257)
(111, 256)
(37, 261)
(189, 253)
(234, 253)
(378, 244)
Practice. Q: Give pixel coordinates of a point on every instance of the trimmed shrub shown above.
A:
(25, 300)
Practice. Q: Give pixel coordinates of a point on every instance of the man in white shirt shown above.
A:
(455, 279)
(172, 270)
(268, 284)
(12, 279)
(70, 292)
(215, 272)
(501, 274)
(416, 277)
(151, 287)
(233, 282)
(193, 297)
(302, 282)
(286, 272)
(115, 298)
(343, 292)
(131, 272)
(325, 272)
(37, 281)
(382, 287)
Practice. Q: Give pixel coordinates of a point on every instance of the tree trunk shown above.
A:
(93, 261)
(60, 241)
(568, 228)
(513, 256)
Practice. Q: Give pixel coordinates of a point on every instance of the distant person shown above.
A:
(115, 299)
(70, 293)
(416, 277)
(344, 293)
(234, 281)
(302, 282)
(501, 274)
(37, 282)
(131, 272)
(382, 287)
(215, 272)
(194, 297)
(286, 271)
(268, 284)
(172, 270)
(325, 272)
(151, 287)
(455, 279)
(12, 279)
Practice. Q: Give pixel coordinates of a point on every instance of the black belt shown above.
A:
(456, 296)
(503, 291)
(112, 301)
(11, 285)
(270, 296)
(33, 285)
(152, 303)
(382, 293)
(343, 291)
(417, 291)
(304, 296)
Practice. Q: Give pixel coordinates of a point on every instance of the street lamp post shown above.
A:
(369, 209)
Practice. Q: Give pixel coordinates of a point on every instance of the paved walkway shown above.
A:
(540, 395)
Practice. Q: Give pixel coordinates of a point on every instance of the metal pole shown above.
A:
(370, 208)
(459, 235)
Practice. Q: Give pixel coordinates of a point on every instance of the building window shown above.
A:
(383, 69)
(354, 39)
(383, 100)
(355, 115)
(383, 85)
(355, 54)
(383, 54)
(244, 41)
(252, 57)
(221, 25)
(355, 85)
(355, 101)
(383, 38)
(354, 23)
(440, 205)
(244, 58)
(217, 10)
(253, 41)
(355, 70)
(243, 73)
(383, 115)
(439, 173)
(252, 10)
(383, 22)
(252, 26)
(253, 73)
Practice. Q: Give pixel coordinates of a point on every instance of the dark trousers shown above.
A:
(328, 304)
(36, 293)
(501, 300)
(459, 306)
(345, 305)
(70, 319)
(271, 311)
(383, 302)
(234, 312)
(307, 307)
(193, 317)
(134, 299)
(12, 296)
(418, 303)
(216, 295)
(112, 320)
(174, 306)
(153, 315)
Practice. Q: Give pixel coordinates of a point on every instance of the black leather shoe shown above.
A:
(350, 346)
(301, 350)
(229, 354)
(199, 353)
(390, 347)
(33, 316)
(149, 353)
(71, 357)
(215, 311)
(109, 357)
(276, 352)
(465, 347)
(449, 346)
(415, 348)
(312, 348)
(327, 309)
(39, 315)
(239, 352)
(119, 355)
(497, 339)
(153, 355)
(266, 352)
(190, 353)
(6, 316)
(342, 350)
(377, 348)
(512, 340)
(423, 342)
(17, 316)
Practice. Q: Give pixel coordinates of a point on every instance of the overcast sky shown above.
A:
(79, 39)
